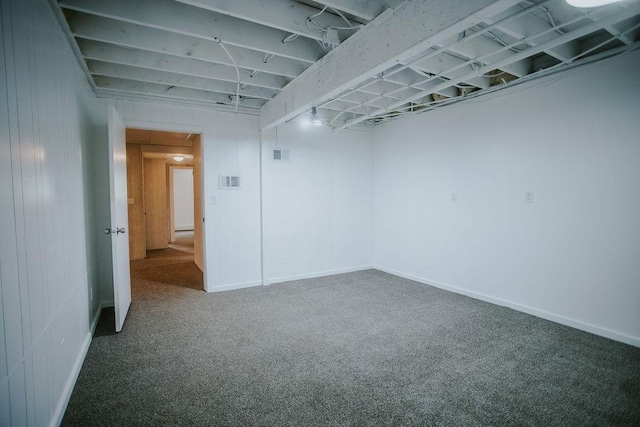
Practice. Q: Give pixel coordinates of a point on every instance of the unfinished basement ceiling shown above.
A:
(360, 62)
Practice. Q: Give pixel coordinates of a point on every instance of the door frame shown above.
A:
(166, 127)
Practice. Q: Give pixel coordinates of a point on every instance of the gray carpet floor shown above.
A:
(364, 348)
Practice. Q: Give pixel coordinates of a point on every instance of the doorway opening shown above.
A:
(164, 183)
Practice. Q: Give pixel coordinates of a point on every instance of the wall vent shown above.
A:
(281, 155)
(229, 182)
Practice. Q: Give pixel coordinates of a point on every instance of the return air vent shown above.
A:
(228, 182)
(281, 155)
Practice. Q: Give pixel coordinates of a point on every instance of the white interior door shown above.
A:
(119, 217)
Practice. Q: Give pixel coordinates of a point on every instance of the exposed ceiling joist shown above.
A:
(530, 25)
(627, 32)
(174, 79)
(167, 91)
(408, 56)
(364, 9)
(514, 57)
(174, 17)
(125, 34)
(286, 15)
(189, 67)
(485, 51)
(341, 69)
(444, 64)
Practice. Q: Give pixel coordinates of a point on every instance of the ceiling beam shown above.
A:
(361, 57)
(365, 9)
(183, 19)
(96, 28)
(169, 92)
(191, 67)
(285, 15)
(106, 69)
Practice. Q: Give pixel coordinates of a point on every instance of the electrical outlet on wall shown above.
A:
(528, 197)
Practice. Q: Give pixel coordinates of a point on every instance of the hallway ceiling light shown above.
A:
(590, 3)
(178, 158)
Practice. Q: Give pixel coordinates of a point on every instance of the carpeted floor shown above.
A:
(364, 348)
(173, 266)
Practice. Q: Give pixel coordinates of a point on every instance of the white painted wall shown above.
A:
(318, 216)
(183, 198)
(573, 254)
(231, 146)
(49, 123)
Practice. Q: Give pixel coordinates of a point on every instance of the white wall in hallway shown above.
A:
(571, 255)
(231, 146)
(183, 198)
(49, 123)
(317, 206)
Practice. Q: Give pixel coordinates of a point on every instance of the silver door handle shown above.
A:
(120, 230)
(109, 231)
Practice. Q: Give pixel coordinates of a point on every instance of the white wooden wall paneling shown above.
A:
(12, 291)
(44, 128)
(11, 338)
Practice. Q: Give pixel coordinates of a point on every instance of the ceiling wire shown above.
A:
(325, 43)
(217, 40)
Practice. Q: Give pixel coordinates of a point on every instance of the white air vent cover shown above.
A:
(281, 155)
(229, 182)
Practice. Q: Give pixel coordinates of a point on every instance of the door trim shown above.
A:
(170, 127)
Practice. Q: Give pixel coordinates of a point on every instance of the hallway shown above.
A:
(173, 266)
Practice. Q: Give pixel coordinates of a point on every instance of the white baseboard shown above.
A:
(61, 407)
(317, 274)
(77, 366)
(234, 286)
(94, 321)
(596, 330)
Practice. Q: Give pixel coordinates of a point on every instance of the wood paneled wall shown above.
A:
(137, 239)
(155, 204)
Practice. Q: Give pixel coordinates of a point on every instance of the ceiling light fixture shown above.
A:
(178, 158)
(315, 120)
(590, 3)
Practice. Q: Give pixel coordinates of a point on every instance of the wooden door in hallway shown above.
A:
(197, 203)
(155, 204)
